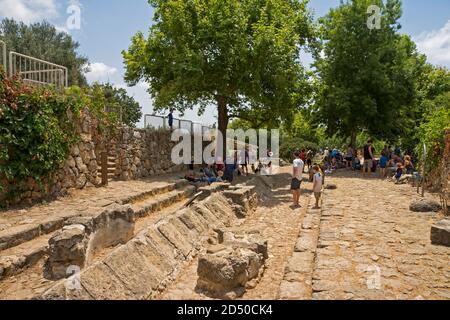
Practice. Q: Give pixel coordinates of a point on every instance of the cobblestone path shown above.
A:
(371, 246)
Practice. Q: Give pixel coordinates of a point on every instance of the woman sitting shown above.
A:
(409, 167)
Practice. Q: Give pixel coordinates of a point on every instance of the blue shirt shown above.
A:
(383, 161)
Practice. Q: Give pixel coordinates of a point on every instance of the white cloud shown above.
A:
(436, 45)
(28, 10)
(100, 72)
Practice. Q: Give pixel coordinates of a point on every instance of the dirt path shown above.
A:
(371, 246)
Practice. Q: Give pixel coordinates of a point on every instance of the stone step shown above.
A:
(152, 204)
(17, 235)
(157, 190)
(15, 260)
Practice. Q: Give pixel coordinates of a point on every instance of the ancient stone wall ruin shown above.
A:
(144, 265)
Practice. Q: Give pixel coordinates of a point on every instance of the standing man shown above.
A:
(297, 177)
(368, 158)
(171, 120)
(303, 157)
(326, 157)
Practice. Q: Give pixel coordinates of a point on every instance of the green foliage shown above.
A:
(43, 41)
(290, 145)
(432, 131)
(118, 101)
(366, 78)
(35, 133)
(242, 55)
(37, 128)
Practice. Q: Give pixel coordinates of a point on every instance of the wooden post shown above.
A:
(424, 168)
(104, 162)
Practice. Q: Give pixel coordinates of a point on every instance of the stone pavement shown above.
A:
(79, 201)
(371, 246)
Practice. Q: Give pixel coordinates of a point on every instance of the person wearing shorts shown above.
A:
(368, 158)
(317, 185)
(296, 182)
(383, 165)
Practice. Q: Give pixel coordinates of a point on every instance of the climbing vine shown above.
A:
(37, 130)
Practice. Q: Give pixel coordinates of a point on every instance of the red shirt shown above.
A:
(303, 156)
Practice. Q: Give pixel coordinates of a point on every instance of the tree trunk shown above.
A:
(353, 140)
(222, 125)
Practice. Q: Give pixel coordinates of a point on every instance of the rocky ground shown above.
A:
(368, 245)
(365, 243)
(371, 246)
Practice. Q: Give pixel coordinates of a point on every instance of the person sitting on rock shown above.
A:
(399, 172)
(409, 167)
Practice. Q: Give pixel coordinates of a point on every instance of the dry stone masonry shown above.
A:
(143, 266)
(132, 154)
(226, 270)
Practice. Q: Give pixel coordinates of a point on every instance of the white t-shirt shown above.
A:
(299, 164)
(318, 182)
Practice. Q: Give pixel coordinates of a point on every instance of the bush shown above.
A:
(432, 133)
(290, 145)
(37, 130)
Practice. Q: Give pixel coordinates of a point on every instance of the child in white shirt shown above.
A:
(317, 185)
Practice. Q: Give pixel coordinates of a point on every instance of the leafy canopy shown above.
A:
(367, 77)
(242, 55)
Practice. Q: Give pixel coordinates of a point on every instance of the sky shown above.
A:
(105, 28)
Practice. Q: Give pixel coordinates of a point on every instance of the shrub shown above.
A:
(432, 133)
(290, 145)
(37, 130)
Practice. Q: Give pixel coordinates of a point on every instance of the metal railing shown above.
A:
(36, 71)
(157, 122)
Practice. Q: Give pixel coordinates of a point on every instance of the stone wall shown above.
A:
(135, 153)
(143, 153)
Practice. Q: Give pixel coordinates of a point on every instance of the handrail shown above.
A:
(51, 74)
(178, 123)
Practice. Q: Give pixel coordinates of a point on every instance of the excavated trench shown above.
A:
(159, 260)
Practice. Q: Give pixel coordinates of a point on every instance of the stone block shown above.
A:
(113, 226)
(134, 270)
(177, 239)
(101, 283)
(16, 235)
(221, 208)
(163, 261)
(192, 221)
(307, 242)
(207, 215)
(425, 205)
(294, 291)
(67, 248)
(440, 233)
(226, 270)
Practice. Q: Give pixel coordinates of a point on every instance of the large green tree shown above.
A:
(367, 75)
(241, 55)
(43, 41)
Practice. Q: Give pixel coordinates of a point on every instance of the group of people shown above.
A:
(238, 164)
(316, 174)
(390, 163)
